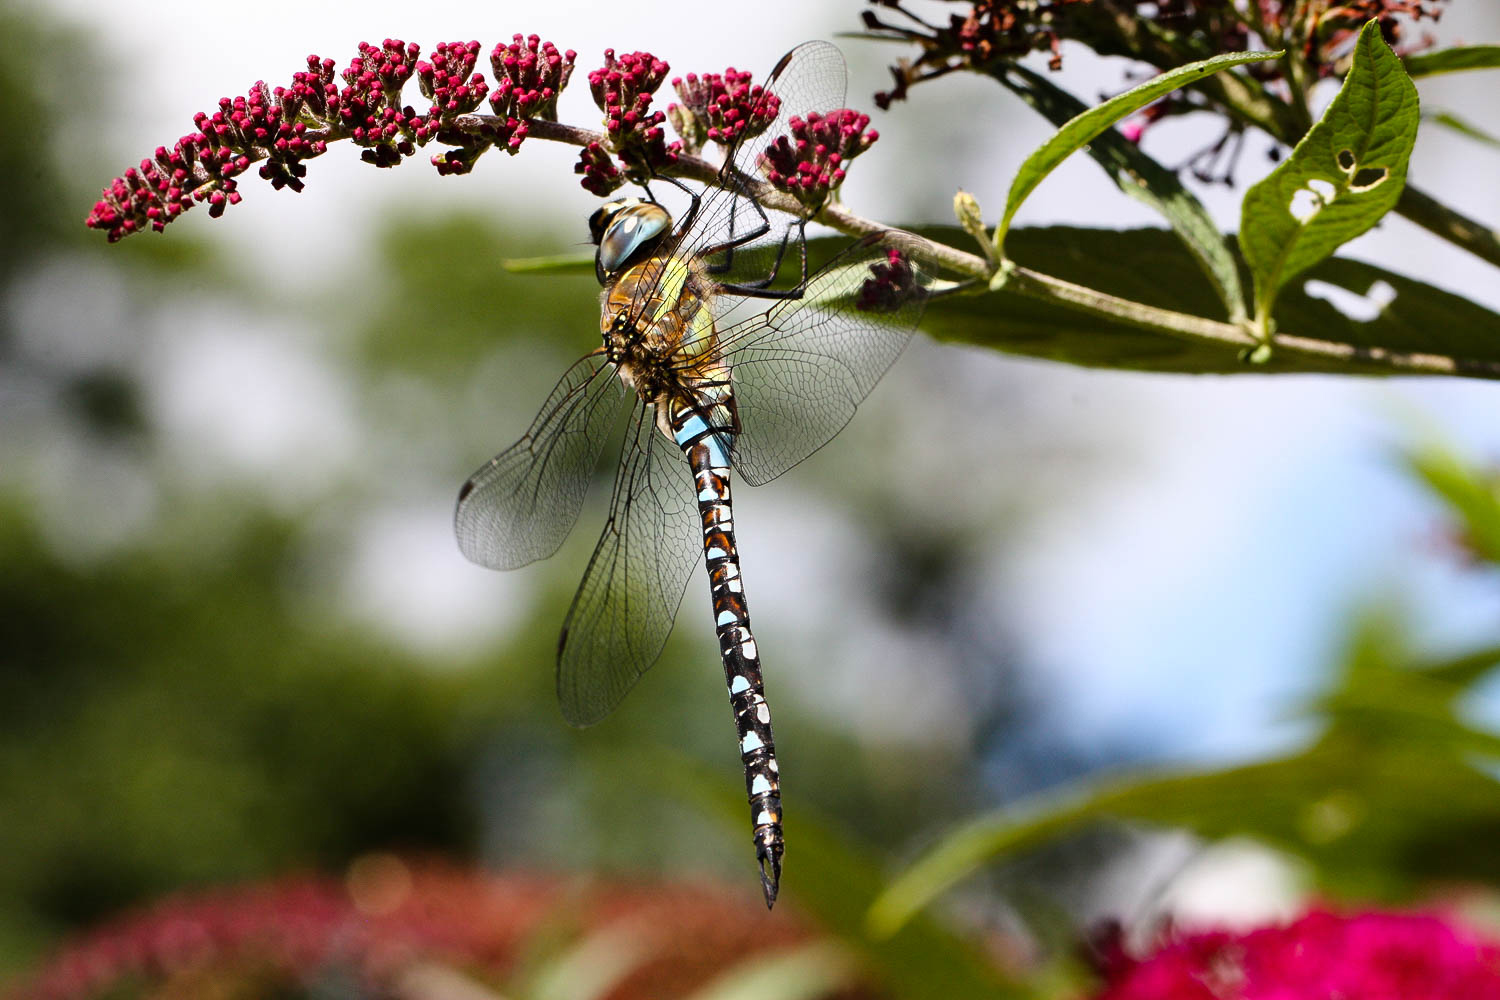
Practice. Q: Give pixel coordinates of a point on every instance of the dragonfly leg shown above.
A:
(727, 247)
(757, 289)
(734, 240)
(694, 203)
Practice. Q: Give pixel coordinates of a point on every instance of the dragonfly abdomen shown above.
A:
(705, 436)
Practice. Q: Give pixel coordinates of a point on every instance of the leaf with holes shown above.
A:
(1344, 175)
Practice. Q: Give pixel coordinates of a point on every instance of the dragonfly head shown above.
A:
(626, 231)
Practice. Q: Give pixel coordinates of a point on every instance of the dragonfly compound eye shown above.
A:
(600, 220)
(627, 234)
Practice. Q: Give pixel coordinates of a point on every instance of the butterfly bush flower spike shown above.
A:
(720, 109)
(282, 127)
(811, 162)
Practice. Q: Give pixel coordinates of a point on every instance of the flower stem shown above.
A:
(1035, 284)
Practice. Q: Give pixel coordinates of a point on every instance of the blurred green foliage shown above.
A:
(166, 721)
(1395, 794)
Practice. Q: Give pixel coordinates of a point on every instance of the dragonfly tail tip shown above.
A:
(770, 879)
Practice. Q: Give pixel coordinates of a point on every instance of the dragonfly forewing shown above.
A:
(520, 505)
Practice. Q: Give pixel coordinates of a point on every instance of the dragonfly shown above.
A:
(701, 379)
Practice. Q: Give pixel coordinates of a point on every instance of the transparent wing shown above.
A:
(629, 596)
(800, 368)
(521, 504)
(811, 77)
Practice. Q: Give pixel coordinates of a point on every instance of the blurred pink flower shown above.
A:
(301, 936)
(1322, 956)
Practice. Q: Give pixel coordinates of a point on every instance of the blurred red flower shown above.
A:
(1322, 956)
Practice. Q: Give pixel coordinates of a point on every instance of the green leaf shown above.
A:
(1457, 124)
(1142, 178)
(1082, 129)
(1451, 60)
(563, 263)
(1151, 266)
(1349, 812)
(1344, 175)
(1472, 496)
(1345, 804)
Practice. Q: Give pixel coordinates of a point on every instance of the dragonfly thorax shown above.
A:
(658, 328)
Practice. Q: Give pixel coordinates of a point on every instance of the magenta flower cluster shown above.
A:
(892, 284)
(369, 108)
(1322, 956)
(811, 162)
(450, 83)
(721, 108)
(600, 175)
(623, 89)
(286, 126)
(529, 75)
